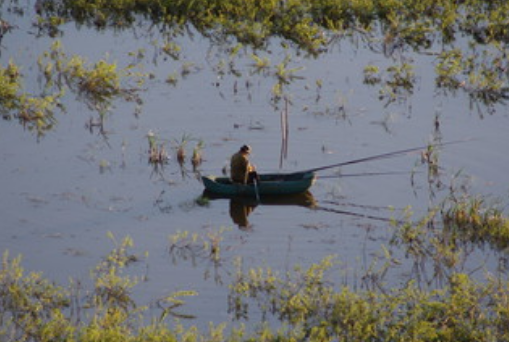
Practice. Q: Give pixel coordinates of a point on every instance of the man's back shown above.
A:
(239, 168)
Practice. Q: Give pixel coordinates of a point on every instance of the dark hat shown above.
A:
(245, 149)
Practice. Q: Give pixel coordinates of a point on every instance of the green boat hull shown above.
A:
(268, 185)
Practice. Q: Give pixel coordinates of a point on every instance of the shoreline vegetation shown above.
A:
(310, 304)
(466, 41)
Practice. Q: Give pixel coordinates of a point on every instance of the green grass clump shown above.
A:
(35, 309)
(307, 23)
(34, 112)
(475, 220)
(97, 84)
(392, 28)
(315, 309)
(10, 86)
(308, 303)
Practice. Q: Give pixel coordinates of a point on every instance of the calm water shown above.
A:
(57, 203)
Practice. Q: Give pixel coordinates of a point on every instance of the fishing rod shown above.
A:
(364, 174)
(381, 156)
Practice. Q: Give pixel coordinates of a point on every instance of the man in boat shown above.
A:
(241, 170)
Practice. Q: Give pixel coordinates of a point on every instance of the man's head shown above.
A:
(245, 149)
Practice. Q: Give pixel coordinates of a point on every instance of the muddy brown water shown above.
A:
(62, 194)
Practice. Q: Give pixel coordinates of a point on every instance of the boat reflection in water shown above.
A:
(242, 207)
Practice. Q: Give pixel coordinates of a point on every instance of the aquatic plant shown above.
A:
(197, 158)
(283, 76)
(98, 84)
(261, 64)
(111, 287)
(474, 220)
(34, 309)
(307, 301)
(393, 28)
(171, 49)
(10, 86)
(180, 147)
(481, 75)
(172, 79)
(157, 153)
(5, 27)
(187, 246)
(33, 112)
(439, 243)
(312, 308)
(397, 82)
(306, 23)
(372, 75)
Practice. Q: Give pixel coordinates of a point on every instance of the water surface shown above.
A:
(63, 192)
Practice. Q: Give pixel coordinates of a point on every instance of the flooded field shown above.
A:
(66, 186)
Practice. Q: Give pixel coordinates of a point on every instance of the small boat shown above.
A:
(275, 184)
